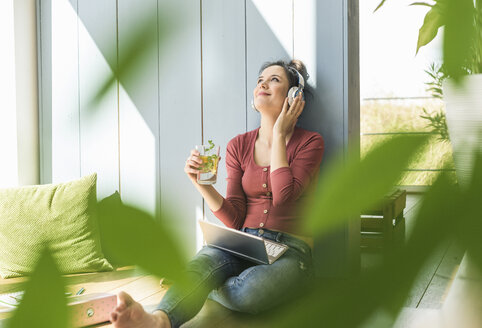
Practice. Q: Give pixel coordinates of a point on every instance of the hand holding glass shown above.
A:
(208, 170)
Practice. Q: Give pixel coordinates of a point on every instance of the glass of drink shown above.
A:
(208, 171)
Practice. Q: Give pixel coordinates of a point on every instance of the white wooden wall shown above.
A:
(195, 86)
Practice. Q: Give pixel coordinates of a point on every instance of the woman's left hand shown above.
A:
(289, 116)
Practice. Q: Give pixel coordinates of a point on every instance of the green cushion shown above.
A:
(62, 216)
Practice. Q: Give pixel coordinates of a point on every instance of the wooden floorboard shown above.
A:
(433, 281)
(436, 292)
(424, 278)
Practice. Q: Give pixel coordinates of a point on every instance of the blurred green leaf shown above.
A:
(132, 236)
(145, 37)
(379, 5)
(421, 4)
(432, 22)
(458, 37)
(347, 188)
(470, 228)
(44, 303)
(385, 287)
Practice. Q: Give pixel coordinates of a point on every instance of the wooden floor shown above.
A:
(428, 293)
(433, 283)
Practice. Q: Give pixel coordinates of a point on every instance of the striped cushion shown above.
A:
(62, 216)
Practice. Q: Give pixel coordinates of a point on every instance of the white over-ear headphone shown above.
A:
(294, 91)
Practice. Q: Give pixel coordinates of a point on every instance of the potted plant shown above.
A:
(462, 66)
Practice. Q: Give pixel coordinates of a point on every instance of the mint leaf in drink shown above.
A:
(211, 145)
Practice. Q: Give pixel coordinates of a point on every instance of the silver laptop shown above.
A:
(245, 245)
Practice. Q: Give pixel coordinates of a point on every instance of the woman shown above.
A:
(268, 170)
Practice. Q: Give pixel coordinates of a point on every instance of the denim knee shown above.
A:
(207, 260)
(240, 294)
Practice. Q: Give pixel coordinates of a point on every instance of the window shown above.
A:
(393, 85)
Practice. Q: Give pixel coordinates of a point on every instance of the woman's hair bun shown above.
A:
(300, 67)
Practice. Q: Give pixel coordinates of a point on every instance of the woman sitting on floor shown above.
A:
(268, 170)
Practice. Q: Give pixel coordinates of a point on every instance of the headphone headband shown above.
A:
(301, 80)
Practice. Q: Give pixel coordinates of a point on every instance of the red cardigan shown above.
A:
(257, 197)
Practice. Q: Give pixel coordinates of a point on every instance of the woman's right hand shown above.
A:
(193, 163)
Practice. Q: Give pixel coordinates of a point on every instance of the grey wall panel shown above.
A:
(318, 114)
(98, 118)
(139, 107)
(44, 31)
(180, 124)
(269, 37)
(64, 92)
(224, 78)
(334, 108)
(324, 112)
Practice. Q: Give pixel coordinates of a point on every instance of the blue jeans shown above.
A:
(239, 284)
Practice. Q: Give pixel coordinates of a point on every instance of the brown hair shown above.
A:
(290, 73)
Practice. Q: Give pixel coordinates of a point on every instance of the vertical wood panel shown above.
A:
(334, 111)
(138, 110)
(44, 24)
(64, 91)
(269, 37)
(304, 35)
(180, 104)
(224, 79)
(26, 91)
(330, 254)
(317, 115)
(98, 120)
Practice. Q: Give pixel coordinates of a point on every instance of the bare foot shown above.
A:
(130, 314)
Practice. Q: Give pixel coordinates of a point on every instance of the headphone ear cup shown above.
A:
(252, 105)
(292, 94)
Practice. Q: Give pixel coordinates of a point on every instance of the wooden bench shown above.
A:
(144, 288)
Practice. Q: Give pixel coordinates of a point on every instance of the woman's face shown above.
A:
(271, 90)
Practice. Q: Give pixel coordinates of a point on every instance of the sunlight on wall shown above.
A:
(65, 98)
(98, 117)
(138, 157)
(305, 36)
(8, 122)
(280, 21)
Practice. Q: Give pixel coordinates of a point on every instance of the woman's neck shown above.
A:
(265, 133)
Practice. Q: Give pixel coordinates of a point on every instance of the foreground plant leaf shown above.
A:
(44, 304)
(470, 229)
(132, 236)
(385, 287)
(348, 187)
(432, 22)
(380, 5)
(458, 37)
(147, 37)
